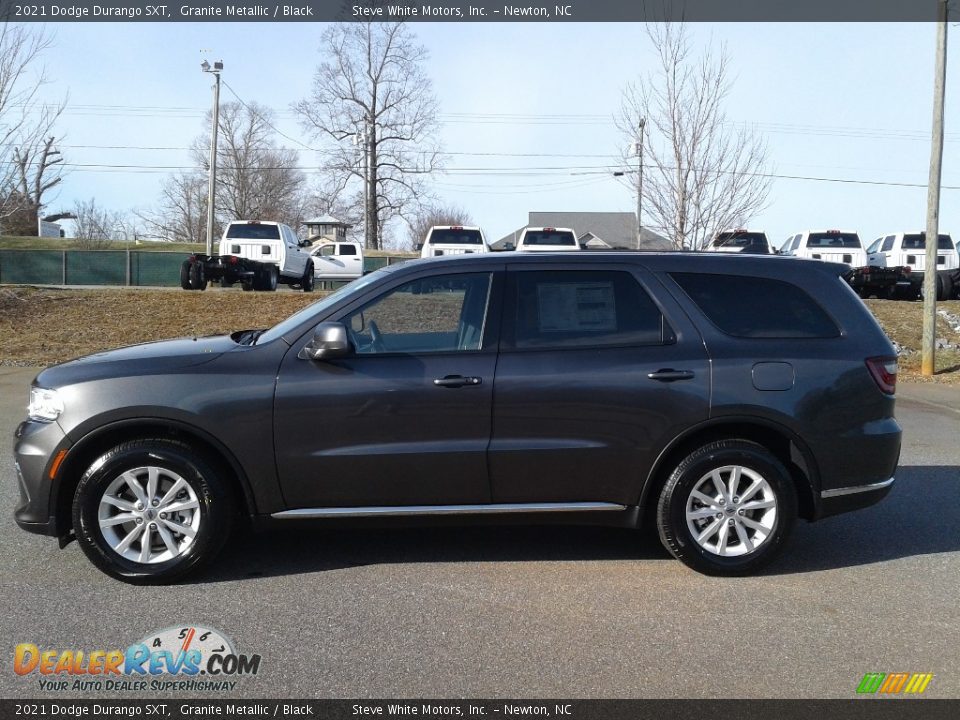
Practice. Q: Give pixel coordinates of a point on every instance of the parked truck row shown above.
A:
(261, 255)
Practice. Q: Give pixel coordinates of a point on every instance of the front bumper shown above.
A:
(35, 445)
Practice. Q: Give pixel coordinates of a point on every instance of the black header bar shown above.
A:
(472, 11)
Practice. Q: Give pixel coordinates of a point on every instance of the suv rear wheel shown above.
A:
(150, 511)
(727, 508)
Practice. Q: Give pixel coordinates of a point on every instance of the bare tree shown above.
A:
(96, 226)
(373, 106)
(182, 212)
(422, 221)
(701, 175)
(255, 178)
(29, 160)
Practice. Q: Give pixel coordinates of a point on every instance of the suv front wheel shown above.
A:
(727, 508)
(150, 511)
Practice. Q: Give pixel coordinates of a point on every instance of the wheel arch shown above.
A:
(100, 440)
(784, 444)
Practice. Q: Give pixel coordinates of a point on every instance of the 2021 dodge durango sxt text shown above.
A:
(717, 396)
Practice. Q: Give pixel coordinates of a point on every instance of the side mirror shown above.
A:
(329, 341)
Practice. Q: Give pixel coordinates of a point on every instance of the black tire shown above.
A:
(249, 285)
(695, 472)
(267, 278)
(185, 275)
(214, 514)
(309, 281)
(864, 292)
(197, 279)
(274, 278)
(944, 286)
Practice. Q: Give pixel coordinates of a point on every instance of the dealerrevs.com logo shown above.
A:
(894, 683)
(188, 658)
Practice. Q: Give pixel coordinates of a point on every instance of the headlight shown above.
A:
(45, 405)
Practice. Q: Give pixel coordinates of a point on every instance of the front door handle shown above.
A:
(455, 381)
(669, 375)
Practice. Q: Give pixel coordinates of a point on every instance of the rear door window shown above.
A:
(757, 307)
(575, 309)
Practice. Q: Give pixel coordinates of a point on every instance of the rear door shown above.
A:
(599, 369)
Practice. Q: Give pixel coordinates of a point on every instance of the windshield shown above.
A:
(834, 240)
(918, 241)
(317, 308)
(454, 236)
(253, 231)
(549, 237)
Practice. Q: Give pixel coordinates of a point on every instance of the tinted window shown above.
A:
(887, 244)
(837, 240)
(583, 308)
(348, 249)
(453, 236)
(796, 242)
(754, 307)
(549, 237)
(437, 314)
(745, 241)
(253, 231)
(918, 241)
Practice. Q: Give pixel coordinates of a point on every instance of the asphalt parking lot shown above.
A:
(533, 612)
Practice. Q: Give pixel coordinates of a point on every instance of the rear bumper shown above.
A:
(841, 500)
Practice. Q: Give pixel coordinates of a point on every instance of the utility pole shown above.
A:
(212, 186)
(928, 355)
(643, 122)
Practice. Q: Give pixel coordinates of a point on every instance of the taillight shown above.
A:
(884, 372)
(233, 259)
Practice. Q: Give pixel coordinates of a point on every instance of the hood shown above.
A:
(145, 359)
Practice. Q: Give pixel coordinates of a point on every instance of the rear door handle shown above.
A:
(455, 381)
(668, 375)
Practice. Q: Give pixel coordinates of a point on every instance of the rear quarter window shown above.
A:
(756, 307)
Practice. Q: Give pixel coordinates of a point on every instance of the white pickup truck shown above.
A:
(258, 255)
(337, 261)
(909, 250)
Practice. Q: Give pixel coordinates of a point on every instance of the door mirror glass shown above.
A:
(329, 341)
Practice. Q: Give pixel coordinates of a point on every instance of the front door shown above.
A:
(405, 419)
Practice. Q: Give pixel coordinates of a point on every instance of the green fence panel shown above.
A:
(96, 267)
(374, 263)
(31, 267)
(156, 268)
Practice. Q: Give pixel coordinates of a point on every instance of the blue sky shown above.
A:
(845, 101)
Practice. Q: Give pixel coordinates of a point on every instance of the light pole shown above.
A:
(212, 186)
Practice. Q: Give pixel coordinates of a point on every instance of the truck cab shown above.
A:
(909, 249)
(337, 261)
(267, 242)
(453, 240)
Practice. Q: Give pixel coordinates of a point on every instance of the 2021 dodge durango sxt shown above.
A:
(717, 396)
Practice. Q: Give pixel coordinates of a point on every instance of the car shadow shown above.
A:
(919, 517)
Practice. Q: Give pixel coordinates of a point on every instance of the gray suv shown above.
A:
(717, 397)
